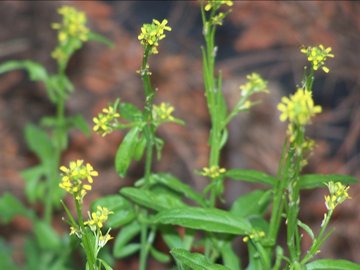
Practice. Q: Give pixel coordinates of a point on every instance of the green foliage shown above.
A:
(159, 204)
(211, 220)
(195, 261)
(126, 151)
(332, 265)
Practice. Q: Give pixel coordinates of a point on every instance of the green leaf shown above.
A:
(175, 184)
(252, 203)
(10, 206)
(100, 38)
(127, 250)
(159, 256)
(39, 142)
(34, 189)
(46, 236)
(230, 258)
(152, 200)
(251, 176)
(140, 147)
(195, 261)
(123, 212)
(310, 181)
(105, 264)
(36, 71)
(171, 237)
(212, 220)
(126, 151)
(126, 234)
(328, 264)
(130, 112)
(80, 123)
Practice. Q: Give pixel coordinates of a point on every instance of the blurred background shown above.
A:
(257, 36)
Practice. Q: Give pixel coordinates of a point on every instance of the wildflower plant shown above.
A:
(159, 203)
(49, 138)
(76, 180)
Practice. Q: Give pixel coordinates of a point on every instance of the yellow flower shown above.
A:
(106, 122)
(213, 172)
(73, 25)
(163, 112)
(151, 34)
(338, 194)
(255, 83)
(299, 108)
(254, 235)
(217, 3)
(98, 218)
(73, 178)
(103, 239)
(317, 56)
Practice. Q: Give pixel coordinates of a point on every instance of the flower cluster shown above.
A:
(73, 178)
(163, 112)
(72, 26)
(215, 4)
(98, 218)
(299, 108)
(152, 33)
(106, 122)
(72, 32)
(255, 83)
(213, 172)
(255, 236)
(317, 56)
(338, 194)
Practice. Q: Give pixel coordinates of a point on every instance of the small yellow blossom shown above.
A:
(151, 34)
(299, 108)
(106, 122)
(163, 112)
(338, 194)
(103, 239)
(255, 83)
(73, 178)
(317, 56)
(72, 26)
(218, 19)
(98, 218)
(255, 236)
(213, 172)
(217, 3)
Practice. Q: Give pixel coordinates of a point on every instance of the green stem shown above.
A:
(293, 235)
(53, 165)
(149, 133)
(319, 240)
(278, 200)
(86, 243)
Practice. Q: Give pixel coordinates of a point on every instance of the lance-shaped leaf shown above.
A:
(327, 264)
(126, 151)
(251, 176)
(39, 142)
(195, 261)
(125, 235)
(36, 71)
(252, 203)
(175, 184)
(211, 220)
(152, 200)
(310, 181)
